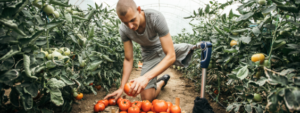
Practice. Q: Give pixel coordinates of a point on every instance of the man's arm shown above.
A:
(168, 48)
(128, 62)
(140, 83)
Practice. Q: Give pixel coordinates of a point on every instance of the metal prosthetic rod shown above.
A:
(206, 48)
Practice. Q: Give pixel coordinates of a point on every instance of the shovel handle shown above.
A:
(205, 59)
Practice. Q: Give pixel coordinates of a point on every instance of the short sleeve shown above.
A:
(123, 36)
(161, 26)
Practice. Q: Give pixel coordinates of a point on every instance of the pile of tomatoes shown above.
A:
(145, 106)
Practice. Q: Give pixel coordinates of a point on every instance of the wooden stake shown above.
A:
(177, 101)
(113, 110)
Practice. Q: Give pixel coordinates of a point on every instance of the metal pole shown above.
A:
(203, 83)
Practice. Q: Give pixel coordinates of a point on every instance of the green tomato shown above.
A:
(82, 64)
(45, 52)
(57, 54)
(56, 14)
(257, 75)
(48, 9)
(36, 3)
(257, 97)
(262, 2)
(67, 52)
(267, 63)
(75, 94)
(69, 9)
(49, 57)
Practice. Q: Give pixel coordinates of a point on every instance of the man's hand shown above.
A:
(115, 94)
(138, 85)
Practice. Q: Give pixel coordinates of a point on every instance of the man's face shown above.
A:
(131, 19)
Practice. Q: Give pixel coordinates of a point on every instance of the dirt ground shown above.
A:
(176, 87)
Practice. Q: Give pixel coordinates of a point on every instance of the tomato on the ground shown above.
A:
(134, 110)
(99, 107)
(146, 105)
(124, 105)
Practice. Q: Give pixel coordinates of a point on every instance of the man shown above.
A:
(149, 29)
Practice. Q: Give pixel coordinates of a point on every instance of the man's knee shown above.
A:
(148, 94)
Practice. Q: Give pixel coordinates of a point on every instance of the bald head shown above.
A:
(124, 5)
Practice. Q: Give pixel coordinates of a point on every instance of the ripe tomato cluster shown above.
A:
(145, 106)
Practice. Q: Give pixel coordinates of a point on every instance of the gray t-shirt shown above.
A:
(156, 26)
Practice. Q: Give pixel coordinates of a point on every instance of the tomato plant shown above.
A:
(56, 49)
(260, 63)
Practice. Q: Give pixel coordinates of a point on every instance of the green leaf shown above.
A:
(26, 62)
(243, 73)
(78, 17)
(238, 87)
(291, 99)
(207, 9)
(9, 76)
(246, 39)
(230, 50)
(256, 31)
(10, 24)
(287, 8)
(229, 107)
(56, 97)
(59, 3)
(53, 24)
(248, 108)
(14, 97)
(54, 83)
(68, 17)
(67, 80)
(91, 33)
(27, 101)
(33, 38)
(269, 9)
(9, 54)
(272, 102)
(50, 64)
(93, 65)
(276, 79)
(32, 90)
(259, 82)
(230, 14)
(245, 17)
(92, 89)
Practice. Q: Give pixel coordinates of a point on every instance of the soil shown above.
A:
(177, 86)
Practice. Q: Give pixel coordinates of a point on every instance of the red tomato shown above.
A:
(216, 92)
(137, 104)
(175, 109)
(134, 110)
(127, 88)
(105, 102)
(160, 106)
(169, 104)
(143, 112)
(111, 102)
(123, 112)
(124, 105)
(146, 105)
(154, 101)
(91, 84)
(99, 107)
(119, 100)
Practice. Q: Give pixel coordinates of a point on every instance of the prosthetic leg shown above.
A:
(201, 105)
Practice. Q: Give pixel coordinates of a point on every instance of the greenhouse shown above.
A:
(149, 56)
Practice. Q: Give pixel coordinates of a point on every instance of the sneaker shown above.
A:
(165, 78)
